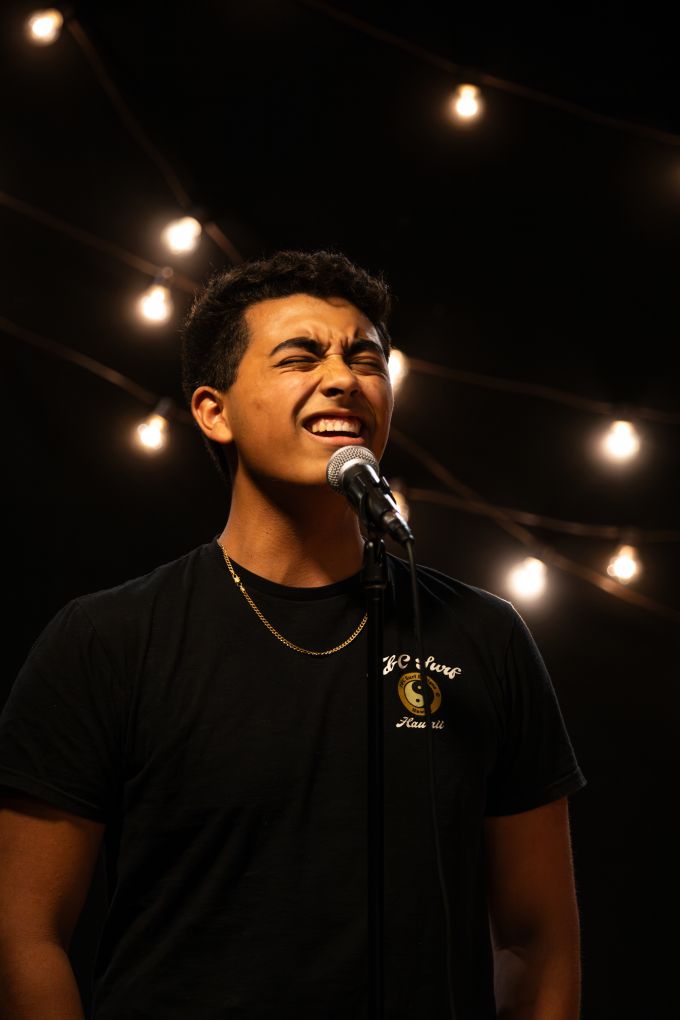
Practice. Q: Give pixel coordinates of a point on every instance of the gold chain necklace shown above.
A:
(297, 648)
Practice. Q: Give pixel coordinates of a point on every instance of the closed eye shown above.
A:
(364, 361)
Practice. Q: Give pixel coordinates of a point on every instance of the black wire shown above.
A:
(514, 88)
(430, 755)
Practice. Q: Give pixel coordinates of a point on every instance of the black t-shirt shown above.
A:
(231, 773)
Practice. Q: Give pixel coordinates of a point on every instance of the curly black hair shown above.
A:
(214, 336)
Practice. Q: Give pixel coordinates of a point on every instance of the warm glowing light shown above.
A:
(621, 442)
(44, 27)
(151, 433)
(181, 236)
(527, 579)
(398, 368)
(624, 564)
(467, 102)
(399, 498)
(155, 305)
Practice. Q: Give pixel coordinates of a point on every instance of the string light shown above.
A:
(44, 27)
(527, 579)
(624, 564)
(155, 304)
(181, 236)
(621, 441)
(151, 434)
(466, 104)
(397, 488)
(398, 368)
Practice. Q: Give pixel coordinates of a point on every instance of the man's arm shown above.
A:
(533, 914)
(47, 859)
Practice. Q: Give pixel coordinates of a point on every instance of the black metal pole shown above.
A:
(374, 582)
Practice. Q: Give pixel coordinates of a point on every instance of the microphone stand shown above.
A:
(374, 582)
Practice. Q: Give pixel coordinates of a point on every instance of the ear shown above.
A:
(210, 409)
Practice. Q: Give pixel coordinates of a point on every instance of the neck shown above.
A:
(303, 537)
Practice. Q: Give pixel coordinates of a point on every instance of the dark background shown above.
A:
(533, 245)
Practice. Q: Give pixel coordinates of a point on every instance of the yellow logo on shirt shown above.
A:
(410, 692)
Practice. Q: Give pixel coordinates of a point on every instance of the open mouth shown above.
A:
(338, 437)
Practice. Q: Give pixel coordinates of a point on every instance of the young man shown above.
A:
(207, 721)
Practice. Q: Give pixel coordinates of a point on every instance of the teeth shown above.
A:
(336, 425)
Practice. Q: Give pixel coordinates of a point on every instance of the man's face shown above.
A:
(323, 367)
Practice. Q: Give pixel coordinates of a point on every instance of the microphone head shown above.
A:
(343, 456)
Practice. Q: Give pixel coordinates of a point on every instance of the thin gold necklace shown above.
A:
(297, 648)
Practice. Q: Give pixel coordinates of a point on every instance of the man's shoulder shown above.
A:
(467, 600)
(169, 582)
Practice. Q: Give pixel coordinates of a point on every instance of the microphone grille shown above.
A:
(342, 457)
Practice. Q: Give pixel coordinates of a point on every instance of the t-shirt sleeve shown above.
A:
(61, 729)
(536, 763)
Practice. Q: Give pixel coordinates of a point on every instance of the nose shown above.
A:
(338, 377)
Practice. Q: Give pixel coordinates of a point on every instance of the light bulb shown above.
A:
(527, 579)
(621, 441)
(44, 27)
(155, 305)
(467, 102)
(399, 499)
(181, 236)
(151, 433)
(624, 564)
(398, 368)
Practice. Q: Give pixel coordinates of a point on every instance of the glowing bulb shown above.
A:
(155, 304)
(398, 368)
(151, 433)
(181, 236)
(527, 579)
(467, 102)
(44, 27)
(624, 564)
(399, 498)
(621, 441)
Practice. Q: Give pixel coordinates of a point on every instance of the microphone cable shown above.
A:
(410, 543)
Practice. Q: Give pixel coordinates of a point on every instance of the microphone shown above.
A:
(354, 471)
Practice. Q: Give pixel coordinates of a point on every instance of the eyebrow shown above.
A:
(316, 347)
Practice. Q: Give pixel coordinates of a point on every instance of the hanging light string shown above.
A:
(130, 122)
(504, 520)
(608, 532)
(134, 127)
(501, 84)
(503, 516)
(59, 350)
(500, 515)
(142, 265)
(543, 392)
(190, 286)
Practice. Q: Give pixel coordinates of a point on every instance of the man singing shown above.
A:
(206, 725)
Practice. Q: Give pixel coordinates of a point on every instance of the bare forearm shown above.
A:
(37, 983)
(538, 981)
